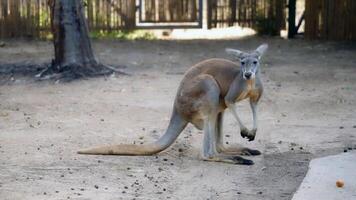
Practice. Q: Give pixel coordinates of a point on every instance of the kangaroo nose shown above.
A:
(248, 75)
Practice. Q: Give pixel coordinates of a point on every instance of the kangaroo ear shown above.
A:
(237, 53)
(261, 50)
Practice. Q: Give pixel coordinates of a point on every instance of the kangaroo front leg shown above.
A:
(243, 130)
(252, 133)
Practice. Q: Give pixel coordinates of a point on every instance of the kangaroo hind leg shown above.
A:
(210, 111)
(210, 152)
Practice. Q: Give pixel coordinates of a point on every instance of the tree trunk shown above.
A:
(73, 55)
(70, 34)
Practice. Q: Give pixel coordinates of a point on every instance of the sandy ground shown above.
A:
(308, 110)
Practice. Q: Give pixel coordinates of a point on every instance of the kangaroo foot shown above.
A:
(250, 152)
(237, 160)
(238, 150)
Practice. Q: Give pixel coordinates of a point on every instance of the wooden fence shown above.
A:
(23, 18)
(330, 19)
(31, 18)
(158, 11)
(267, 16)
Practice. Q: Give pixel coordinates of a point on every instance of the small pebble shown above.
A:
(340, 183)
(341, 127)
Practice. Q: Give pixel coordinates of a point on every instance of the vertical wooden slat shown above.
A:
(108, 16)
(329, 19)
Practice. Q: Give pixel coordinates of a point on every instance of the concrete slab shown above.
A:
(320, 181)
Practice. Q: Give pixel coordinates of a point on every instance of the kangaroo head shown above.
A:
(249, 62)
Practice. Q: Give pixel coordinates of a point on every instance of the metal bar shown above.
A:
(300, 22)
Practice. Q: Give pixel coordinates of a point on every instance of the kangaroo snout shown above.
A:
(248, 75)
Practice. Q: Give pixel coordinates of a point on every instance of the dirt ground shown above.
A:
(308, 110)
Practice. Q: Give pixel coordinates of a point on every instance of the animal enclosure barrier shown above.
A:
(31, 18)
(170, 14)
(330, 19)
(24, 18)
(267, 16)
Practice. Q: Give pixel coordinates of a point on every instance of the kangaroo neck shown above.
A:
(248, 83)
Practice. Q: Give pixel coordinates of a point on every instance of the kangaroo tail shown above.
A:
(175, 127)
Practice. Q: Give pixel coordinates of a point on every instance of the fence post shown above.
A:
(291, 18)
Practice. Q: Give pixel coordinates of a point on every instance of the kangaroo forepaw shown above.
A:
(250, 135)
(244, 133)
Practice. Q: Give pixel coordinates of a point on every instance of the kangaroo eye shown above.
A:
(255, 62)
(242, 62)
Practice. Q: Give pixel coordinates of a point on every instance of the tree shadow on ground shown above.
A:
(10, 72)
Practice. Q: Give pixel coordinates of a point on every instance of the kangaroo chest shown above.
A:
(249, 91)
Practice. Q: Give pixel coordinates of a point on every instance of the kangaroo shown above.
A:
(206, 91)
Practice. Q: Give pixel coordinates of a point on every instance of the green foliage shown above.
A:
(120, 35)
(123, 35)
